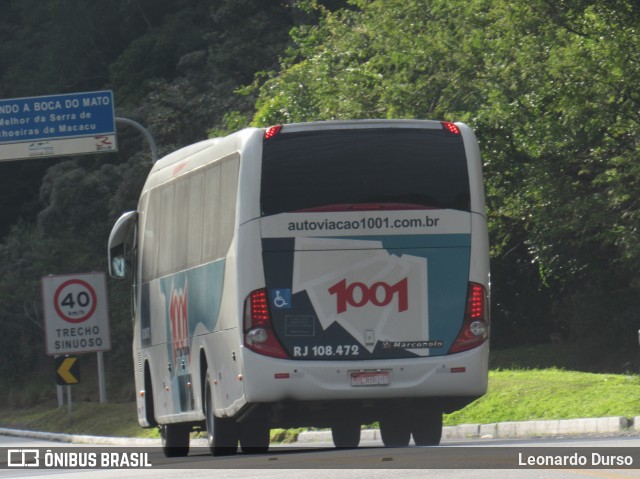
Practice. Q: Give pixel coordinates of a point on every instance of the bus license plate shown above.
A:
(370, 378)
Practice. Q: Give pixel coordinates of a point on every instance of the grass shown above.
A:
(110, 419)
(521, 395)
(516, 393)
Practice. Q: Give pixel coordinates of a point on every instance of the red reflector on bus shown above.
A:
(450, 127)
(272, 131)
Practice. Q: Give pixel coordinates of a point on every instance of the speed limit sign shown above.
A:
(76, 313)
(75, 300)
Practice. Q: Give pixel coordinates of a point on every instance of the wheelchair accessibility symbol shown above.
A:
(280, 298)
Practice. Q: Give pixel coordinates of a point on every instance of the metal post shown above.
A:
(60, 390)
(69, 400)
(101, 380)
(60, 394)
(145, 132)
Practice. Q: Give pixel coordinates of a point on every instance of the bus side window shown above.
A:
(210, 247)
(228, 191)
(150, 238)
(181, 225)
(194, 237)
(165, 243)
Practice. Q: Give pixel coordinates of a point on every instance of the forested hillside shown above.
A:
(552, 88)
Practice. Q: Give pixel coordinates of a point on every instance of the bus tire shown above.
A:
(395, 431)
(346, 434)
(255, 436)
(427, 429)
(222, 433)
(175, 440)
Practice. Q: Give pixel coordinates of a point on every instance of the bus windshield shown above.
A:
(364, 169)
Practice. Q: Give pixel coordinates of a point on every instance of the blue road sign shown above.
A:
(54, 117)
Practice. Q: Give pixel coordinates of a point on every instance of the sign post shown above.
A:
(57, 125)
(76, 318)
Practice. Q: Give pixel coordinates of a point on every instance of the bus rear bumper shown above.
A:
(269, 380)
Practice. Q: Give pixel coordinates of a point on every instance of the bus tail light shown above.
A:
(258, 332)
(475, 329)
(450, 127)
(272, 131)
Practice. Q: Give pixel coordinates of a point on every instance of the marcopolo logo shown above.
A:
(379, 294)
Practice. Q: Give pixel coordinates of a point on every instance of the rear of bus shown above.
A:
(376, 277)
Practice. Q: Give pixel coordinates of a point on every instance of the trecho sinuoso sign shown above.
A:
(76, 313)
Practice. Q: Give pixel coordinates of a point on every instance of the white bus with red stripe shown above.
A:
(327, 274)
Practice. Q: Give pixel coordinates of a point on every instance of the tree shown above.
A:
(549, 88)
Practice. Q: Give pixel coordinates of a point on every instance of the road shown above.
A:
(371, 461)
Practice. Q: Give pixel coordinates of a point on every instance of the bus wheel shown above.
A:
(175, 440)
(427, 428)
(346, 434)
(255, 436)
(222, 433)
(395, 431)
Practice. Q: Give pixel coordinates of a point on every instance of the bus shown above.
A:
(324, 274)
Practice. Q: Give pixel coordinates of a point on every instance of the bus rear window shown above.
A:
(364, 169)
